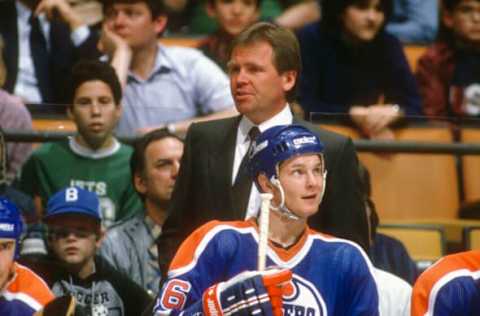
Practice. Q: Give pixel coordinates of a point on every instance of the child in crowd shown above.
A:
(22, 292)
(448, 73)
(233, 16)
(74, 235)
(351, 66)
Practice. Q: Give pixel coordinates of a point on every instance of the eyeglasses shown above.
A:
(64, 232)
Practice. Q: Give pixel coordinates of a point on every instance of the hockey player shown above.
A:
(450, 287)
(212, 271)
(22, 292)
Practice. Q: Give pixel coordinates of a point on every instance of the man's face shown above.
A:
(95, 113)
(234, 15)
(135, 24)
(162, 162)
(464, 20)
(362, 22)
(258, 89)
(301, 178)
(74, 239)
(7, 253)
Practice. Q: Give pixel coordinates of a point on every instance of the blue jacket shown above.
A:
(337, 75)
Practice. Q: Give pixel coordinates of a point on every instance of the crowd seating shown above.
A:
(424, 253)
(472, 238)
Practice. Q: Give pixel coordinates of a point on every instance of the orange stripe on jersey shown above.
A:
(30, 284)
(186, 252)
(422, 289)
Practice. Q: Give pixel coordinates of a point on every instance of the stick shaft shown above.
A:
(263, 230)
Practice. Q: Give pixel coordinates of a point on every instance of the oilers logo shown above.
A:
(303, 299)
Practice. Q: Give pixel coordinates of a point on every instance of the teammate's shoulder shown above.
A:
(28, 283)
(217, 226)
(449, 266)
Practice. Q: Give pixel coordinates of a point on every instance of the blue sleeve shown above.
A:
(187, 282)
(414, 21)
(402, 87)
(461, 296)
(360, 289)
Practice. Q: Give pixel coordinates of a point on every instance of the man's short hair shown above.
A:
(285, 46)
(333, 9)
(450, 5)
(257, 2)
(137, 161)
(156, 7)
(90, 70)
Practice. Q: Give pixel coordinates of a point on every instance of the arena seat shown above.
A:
(471, 165)
(412, 186)
(472, 238)
(424, 243)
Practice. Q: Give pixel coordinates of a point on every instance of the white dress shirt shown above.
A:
(284, 117)
(26, 85)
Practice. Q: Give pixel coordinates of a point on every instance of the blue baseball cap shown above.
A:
(73, 200)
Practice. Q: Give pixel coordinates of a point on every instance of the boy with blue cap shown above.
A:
(74, 235)
(22, 292)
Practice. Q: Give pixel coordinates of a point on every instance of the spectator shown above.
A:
(22, 292)
(327, 274)
(165, 86)
(233, 16)
(131, 245)
(41, 48)
(13, 115)
(211, 183)
(352, 67)
(93, 159)
(193, 17)
(74, 235)
(414, 21)
(448, 74)
(449, 287)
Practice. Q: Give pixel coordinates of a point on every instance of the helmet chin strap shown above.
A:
(282, 208)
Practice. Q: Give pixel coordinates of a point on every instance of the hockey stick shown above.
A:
(263, 230)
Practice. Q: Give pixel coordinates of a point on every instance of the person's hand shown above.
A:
(62, 8)
(358, 114)
(110, 42)
(381, 116)
(248, 291)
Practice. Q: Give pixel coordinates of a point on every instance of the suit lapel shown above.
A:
(221, 164)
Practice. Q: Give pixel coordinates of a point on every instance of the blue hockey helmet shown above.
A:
(280, 143)
(11, 225)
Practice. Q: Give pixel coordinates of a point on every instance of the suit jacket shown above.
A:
(203, 187)
(63, 54)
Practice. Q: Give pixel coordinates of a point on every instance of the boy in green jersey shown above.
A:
(93, 159)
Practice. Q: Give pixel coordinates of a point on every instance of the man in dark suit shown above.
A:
(263, 69)
(43, 39)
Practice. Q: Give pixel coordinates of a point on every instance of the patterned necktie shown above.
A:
(243, 183)
(40, 56)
